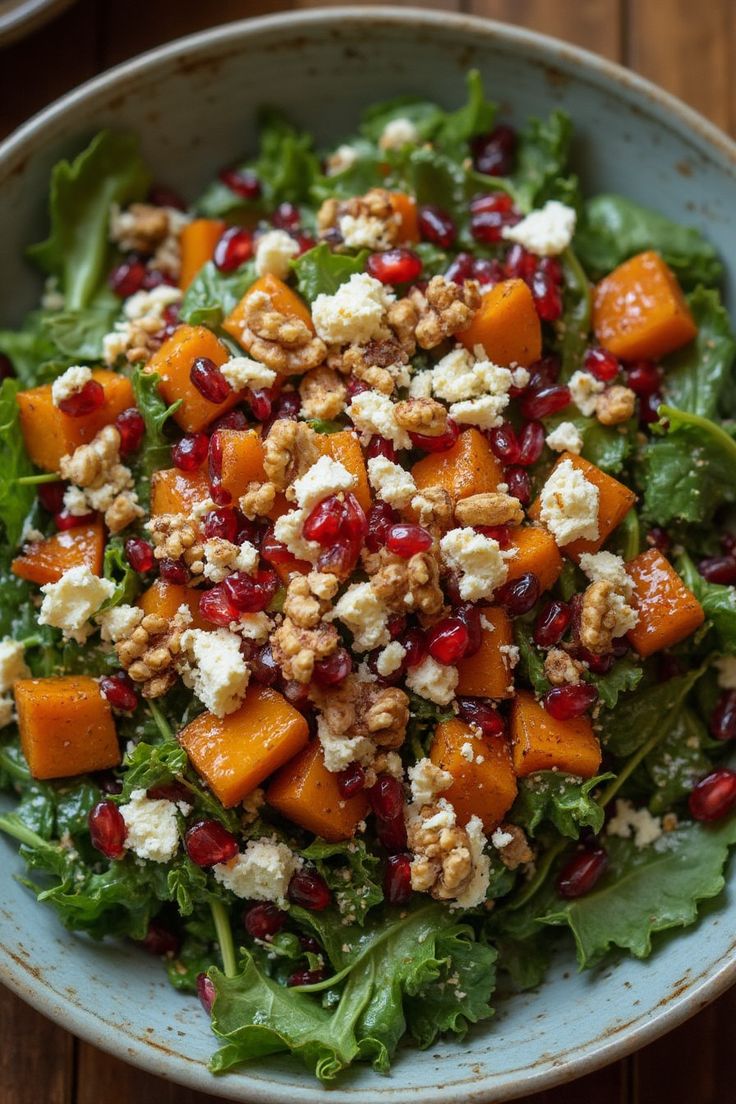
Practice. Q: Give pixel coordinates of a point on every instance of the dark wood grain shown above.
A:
(36, 1056)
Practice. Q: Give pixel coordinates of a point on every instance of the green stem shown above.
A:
(42, 477)
(161, 723)
(630, 527)
(224, 938)
(615, 785)
(722, 439)
(15, 827)
(15, 770)
(540, 876)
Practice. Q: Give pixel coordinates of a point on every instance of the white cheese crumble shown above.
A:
(343, 158)
(726, 667)
(326, 477)
(475, 892)
(12, 664)
(565, 438)
(466, 750)
(427, 781)
(420, 385)
(511, 655)
(275, 251)
(288, 530)
(213, 666)
(241, 372)
(398, 133)
(152, 830)
(69, 383)
(364, 232)
(606, 567)
(477, 559)
(339, 751)
(391, 482)
(390, 658)
(253, 626)
(355, 313)
(639, 823)
(569, 505)
(7, 711)
(433, 680)
(260, 873)
(222, 558)
(69, 603)
(464, 375)
(584, 390)
(364, 614)
(546, 232)
(142, 311)
(373, 414)
(118, 622)
(501, 839)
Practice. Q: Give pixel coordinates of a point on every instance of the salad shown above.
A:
(367, 589)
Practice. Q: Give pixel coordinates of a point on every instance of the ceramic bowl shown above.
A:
(193, 104)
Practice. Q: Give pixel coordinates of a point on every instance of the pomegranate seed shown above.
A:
(441, 443)
(487, 272)
(174, 571)
(222, 523)
(88, 399)
(351, 780)
(206, 992)
(287, 405)
(668, 667)
(598, 664)
(552, 624)
(162, 196)
(500, 533)
(51, 496)
(108, 783)
(723, 718)
(601, 364)
(546, 294)
(520, 264)
(415, 646)
(309, 889)
(713, 796)
(544, 373)
(264, 920)
(306, 977)
(64, 520)
(355, 386)
(407, 540)
(520, 595)
(649, 408)
(107, 829)
(243, 182)
(160, 940)
(324, 524)
(436, 226)
(273, 551)
(643, 377)
(170, 791)
(247, 529)
(387, 797)
(392, 833)
(234, 248)
(334, 669)
(127, 277)
(139, 555)
(286, 217)
(447, 641)
(565, 702)
(305, 242)
(540, 404)
(120, 692)
(460, 269)
(379, 446)
(504, 444)
(581, 873)
(251, 593)
(209, 380)
(381, 518)
(478, 711)
(216, 607)
(728, 542)
(234, 419)
(218, 494)
(397, 879)
(7, 371)
(470, 617)
(396, 625)
(494, 153)
(131, 427)
(296, 693)
(519, 484)
(719, 569)
(395, 266)
(260, 403)
(263, 666)
(155, 278)
(207, 843)
(531, 443)
(659, 538)
(190, 452)
(489, 215)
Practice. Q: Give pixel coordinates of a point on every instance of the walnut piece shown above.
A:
(258, 499)
(442, 864)
(105, 484)
(517, 851)
(301, 605)
(283, 342)
(289, 451)
(323, 394)
(445, 308)
(425, 416)
(406, 585)
(387, 716)
(560, 668)
(149, 654)
(598, 617)
(176, 537)
(432, 508)
(296, 649)
(372, 214)
(358, 708)
(152, 231)
(489, 508)
(615, 405)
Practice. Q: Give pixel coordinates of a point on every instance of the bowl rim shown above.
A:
(19, 975)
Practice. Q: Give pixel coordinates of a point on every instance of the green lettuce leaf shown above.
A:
(639, 715)
(458, 996)
(319, 271)
(16, 498)
(155, 450)
(697, 375)
(560, 799)
(531, 658)
(624, 675)
(78, 334)
(677, 763)
(573, 329)
(351, 872)
(424, 716)
(28, 348)
(542, 163)
(115, 566)
(213, 294)
(719, 602)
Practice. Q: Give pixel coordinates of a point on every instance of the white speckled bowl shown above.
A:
(193, 103)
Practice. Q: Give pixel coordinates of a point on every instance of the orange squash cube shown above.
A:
(506, 325)
(49, 433)
(468, 468)
(540, 742)
(536, 552)
(486, 789)
(668, 610)
(66, 726)
(164, 599)
(405, 207)
(176, 492)
(198, 240)
(282, 297)
(173, 364)
(344, 447)
(45, 561)
(242, 460)
(488, 674)
(307, 794)
(234, 754)
(639, 310)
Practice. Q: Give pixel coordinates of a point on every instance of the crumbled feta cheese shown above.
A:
(343, 158)
(466, 750)
(484, 412)
(274, 252)
(546, 232)
(145, 304)
(260, 873)
(445, 816)
(364, 232)
(464, 375)
(222, 558)
(355, 313)
(584, 390)
(253, 626)
(565, 438)
(252, 804)
(390, 658)
(501, 839)
(322, 585)
(364, 614)
(475, 892)
(373, 415)
(569, 505)
(152, 830)
(143, 313)
(391, 482)
(420, 386)
(7, 711)
(52, 299)
(326, 477)
(511, 655)
(605, 566)
(639, 823)
(433, 680)
(398, 133)
(726, 667)
(69, 383)
(12, 664)
(69, 603)
(339, 751)
(118, 622)
(478, 560)
(213, 666)
(241, 372)
(392, 765)
(288, 530)
(75, 501)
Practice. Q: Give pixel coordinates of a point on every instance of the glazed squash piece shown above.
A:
(176, 492)
(506, 325)
(284, 300)
(173, 364)
(307, 794)
(198, 240)
(668, 610)
(536, 552)
(487, 674)
(345, 448)
(242, 460)
(639, 310)
(45, 561)
(234, 754)
(164, 599)
(483, 785)
(540, 742)
(405, 207)
(66, 726)
(468, 468)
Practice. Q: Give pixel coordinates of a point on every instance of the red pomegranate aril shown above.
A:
(325, 522)
(64, 520)
(107, 782)
(351, 780)
(334, 669)
(243, 182)
(209, 381)
(581, 873)
(234, 419)
(174, 571)
(206, 992)
(487, 272)
(719, 569)
(723, 717)
(396, 626)
(386, 797)
(668, 667)
(713, 796)
(222, 523)
(287, 216)
(565, 702)
(306, 977)
(297, 694)
(263, 666)
(643, 377)
(51, 496)
(552, 624)
(260, 403)
(519, 484)
(339, 559)
(107, 829)
(397, 879)
(309, 889)
(436, 226)
(131, 427)
(441, 443)
(214, 457)
(208, 842)
(406, 540)
(251, 593)
(494, 153)
(598, 664)
(601, 364)
(448, 640)
(264, 921)
(489, 215)
(155, 278)
(392, 833)
(395, 266)
(355, 386)
(88, 399)
(160, 940)
(190, 452)
(500, 533)
(162, 196)
(520, 595)
(273, 551)
(460, 269)
(544, 373)
(470, 617)
(728, 542)
(379, 446)
(547, 296)
(127, 277)
(415, 646)
(216, 607)
(139, 555)
(477, 711)
(504, 443)
(520, 264)
(540, 404)
(234, 248)
(381, 517)
(218, 494)
(170, 791)
(659, 538)
(531, 443)
(649, 408)
(120, 692)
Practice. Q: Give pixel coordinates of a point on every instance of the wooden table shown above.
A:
(691, 52)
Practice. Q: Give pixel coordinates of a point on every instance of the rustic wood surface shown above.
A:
(692, 54)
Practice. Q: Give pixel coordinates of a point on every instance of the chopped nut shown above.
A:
(517, 850)
(289, 451)
(304, 609)
(122, 511)
(100, 481)
(615, 405)
(442, 863)
(296, 650)
(148, 654)
(367, 221)
(258, 500)
(283, 342)
(597, 617)
(489, 508)
(90, 464)
(175, 537)
(387, 716)
(425, 416)
(433, 509)
(323, 394)
(560, 668)
(405, 585)
(445, 308)
(139, 229)
(323, 585)
(358, 708)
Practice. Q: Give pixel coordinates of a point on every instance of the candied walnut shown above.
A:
(358, 708)
(323, 585)
(296, 649)
(301, 605)
(489, 508)
(323, 394)
(615, 405)
(598, 617)
(444, 308)
(387, 715)
(90, 465)
(367, 221)
(402, 317)
(379, 364)
(442, 864)
(425, 416)
(560, 668)
(258, 500)
(176, 537)
(433, 510)
(122, 511)
(139, 229)
(404, 585)
(283, 342)
(149, 654)
(289, 451)
(517, 851)
(100, 481)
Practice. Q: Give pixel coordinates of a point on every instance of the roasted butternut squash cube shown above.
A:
(176, 492)
(542, 743)
(344, 447)
(668, 610)
(173, 365)
(488, 673)
(484, 784)
(236, 752)
(536, 552)
(198, 240)
(639, 310)
(45, 561)
(506, 325)
(49, 433)
(405, 207)
(307, 794)
(66, 726)
(164, 599)
(283, 299)
(468, 468)
(242, 460)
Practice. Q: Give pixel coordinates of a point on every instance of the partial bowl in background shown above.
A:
(19, 18)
